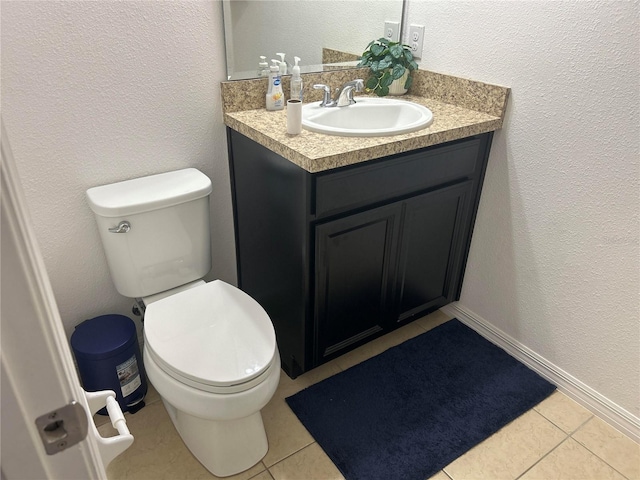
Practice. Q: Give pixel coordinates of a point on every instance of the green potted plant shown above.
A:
(389, 62)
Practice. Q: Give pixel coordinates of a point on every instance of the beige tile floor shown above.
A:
(557, 439)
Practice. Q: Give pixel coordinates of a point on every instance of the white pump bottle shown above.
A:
(275, 95)
(283, 64)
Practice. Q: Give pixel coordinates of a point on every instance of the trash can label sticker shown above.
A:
(129, 376)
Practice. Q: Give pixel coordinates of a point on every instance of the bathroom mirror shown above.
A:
(301, 28)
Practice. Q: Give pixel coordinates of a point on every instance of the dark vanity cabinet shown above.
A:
(339, 257)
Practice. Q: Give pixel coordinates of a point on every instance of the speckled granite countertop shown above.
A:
(461, 108)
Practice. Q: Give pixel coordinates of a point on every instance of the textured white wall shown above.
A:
(98, 92)
(555, 259)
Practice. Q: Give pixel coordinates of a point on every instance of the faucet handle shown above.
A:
(327, 93)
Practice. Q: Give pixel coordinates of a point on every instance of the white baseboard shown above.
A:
(586, 396)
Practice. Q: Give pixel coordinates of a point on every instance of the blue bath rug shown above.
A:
(410, 411)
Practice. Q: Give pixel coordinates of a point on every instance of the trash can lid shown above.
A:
(103, 336)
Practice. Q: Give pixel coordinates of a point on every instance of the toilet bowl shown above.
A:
(211, 354)
(209, 349)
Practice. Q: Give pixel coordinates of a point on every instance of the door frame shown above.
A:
(38, 372)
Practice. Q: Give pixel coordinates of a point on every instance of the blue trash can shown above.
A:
(108, 355)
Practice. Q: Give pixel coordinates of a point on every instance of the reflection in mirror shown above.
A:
(301, 28)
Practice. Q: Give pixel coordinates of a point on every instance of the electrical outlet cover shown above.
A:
(392, 31)
(416, 39)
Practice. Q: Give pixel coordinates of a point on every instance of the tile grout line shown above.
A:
(290, 455)
(582, 425)
(258, 474)
(558, 426)
(570, 437)
(340, 370)
(567, 437)
(446, 474)
(594, 453)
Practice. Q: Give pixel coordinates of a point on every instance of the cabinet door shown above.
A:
(431, 250)
(355, 265)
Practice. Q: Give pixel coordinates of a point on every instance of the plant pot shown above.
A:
(397, 86)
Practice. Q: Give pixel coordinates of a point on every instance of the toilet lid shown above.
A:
(213, 334)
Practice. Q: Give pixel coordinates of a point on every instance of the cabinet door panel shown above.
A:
(354, 260)
(431, 248)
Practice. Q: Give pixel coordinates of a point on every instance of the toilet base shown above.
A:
(224, 447)
(223, 431)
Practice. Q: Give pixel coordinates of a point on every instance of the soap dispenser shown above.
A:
(283, 64)
(263, 67)
(275, 96)
(296, 81)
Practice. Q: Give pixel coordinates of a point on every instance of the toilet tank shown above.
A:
(168, 241)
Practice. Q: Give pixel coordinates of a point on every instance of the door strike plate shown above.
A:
(63, 427)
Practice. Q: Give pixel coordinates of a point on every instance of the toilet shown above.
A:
(209, 349)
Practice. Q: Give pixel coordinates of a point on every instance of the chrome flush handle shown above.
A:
(123, 227)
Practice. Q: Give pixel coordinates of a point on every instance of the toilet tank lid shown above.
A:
(149, 193)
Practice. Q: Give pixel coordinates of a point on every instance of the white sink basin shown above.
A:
(369, 117)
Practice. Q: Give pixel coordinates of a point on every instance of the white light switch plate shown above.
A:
(416, 38)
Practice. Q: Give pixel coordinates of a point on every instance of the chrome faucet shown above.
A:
(344, 95)
(327, 101)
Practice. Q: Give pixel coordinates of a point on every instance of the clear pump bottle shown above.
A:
(296, 81)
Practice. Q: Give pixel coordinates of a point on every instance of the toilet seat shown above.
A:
(213, 337)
